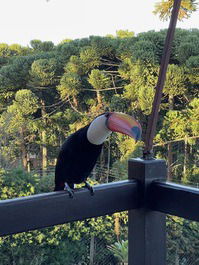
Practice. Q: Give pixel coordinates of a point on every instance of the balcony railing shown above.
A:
(146, 195)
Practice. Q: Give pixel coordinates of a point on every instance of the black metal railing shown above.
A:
(146, 195)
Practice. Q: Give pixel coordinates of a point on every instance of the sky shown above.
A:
(55, 20)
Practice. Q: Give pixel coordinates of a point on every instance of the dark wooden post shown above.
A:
(147, 228)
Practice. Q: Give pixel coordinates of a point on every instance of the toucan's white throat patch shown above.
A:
(97, 131)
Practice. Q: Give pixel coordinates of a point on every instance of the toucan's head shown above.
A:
(102, 126)
(123, 123)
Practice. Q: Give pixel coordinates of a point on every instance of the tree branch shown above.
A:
(177, 140)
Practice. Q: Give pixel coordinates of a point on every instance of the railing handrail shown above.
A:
(144, 195)
(175, 199)
(48, 209)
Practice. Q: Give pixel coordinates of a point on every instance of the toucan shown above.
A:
(80, 151)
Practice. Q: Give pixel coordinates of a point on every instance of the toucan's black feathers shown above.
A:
(76, 159)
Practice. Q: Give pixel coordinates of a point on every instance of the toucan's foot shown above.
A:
(89, 187)
(69, 190)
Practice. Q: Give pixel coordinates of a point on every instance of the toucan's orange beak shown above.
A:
(125, 124)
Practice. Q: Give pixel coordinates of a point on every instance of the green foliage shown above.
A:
(19, 114)
(12, 50)
(43, 71)
(70, 85)
(178, 124)
(145, 98)
(175, 84)
(155, 43)
(98, 79)
(193, 62)
(104, 46)
(182, 238)
(120, 250)
(144, 50)
(119, 103)
(75, 65)
(187, 49)
(16, 183)
(15, 76)
(25, 103)
(193, 114)
(17, 125)
(90, 58)
(143, 79)
(4, 50)
(123, 34)
(42, 46)
(47, 92)
(164, 9)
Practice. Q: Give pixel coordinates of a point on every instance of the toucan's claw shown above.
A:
(89, 187)
(69, 190)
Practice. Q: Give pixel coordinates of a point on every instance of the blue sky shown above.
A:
(55, 20)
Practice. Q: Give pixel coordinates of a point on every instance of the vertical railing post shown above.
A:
(147, 228)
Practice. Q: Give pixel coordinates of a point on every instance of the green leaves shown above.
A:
(178, 124)
(145, 98)
(190, 47)
(144, 50)
(55, 90)
(25, 103)
(140, 90)
(90, 58)
(70, 85)
(193, 113)
(123, 34)
(15, 75)
(19, 114)
(99, 79)
(175, 84)
(120, 250)
(43, 71)
(12, 50)
(42, 46)
(164, 9)
(182, 239)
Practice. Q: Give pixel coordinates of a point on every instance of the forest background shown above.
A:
(49, 91)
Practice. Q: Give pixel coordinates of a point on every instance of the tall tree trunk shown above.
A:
(75, 102)
(108, 160)
(23, 149)
(170, 155)
(44, 151)
(99, 98)
(169, 161)
(43, 138)
(28, 161)
(186, 154)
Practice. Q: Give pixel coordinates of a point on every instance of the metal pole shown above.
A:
(151, 127)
